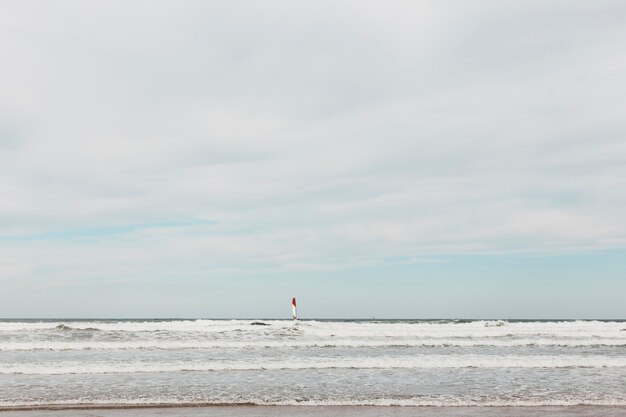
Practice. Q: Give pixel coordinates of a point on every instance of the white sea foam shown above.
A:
(198, 344)
(199, 334)
(411, 362)
(481, 401)
(421, 401)
(348, 329)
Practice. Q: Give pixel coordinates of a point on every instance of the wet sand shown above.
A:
(321, 411)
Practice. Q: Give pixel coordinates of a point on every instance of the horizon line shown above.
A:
(315, 318)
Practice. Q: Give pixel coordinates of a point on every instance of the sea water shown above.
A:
(312, 362)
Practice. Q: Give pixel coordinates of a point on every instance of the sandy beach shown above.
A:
(321, 411)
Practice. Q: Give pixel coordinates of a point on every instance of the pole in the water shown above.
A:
(294, 310)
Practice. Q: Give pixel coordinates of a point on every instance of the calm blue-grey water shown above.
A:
(402, 362)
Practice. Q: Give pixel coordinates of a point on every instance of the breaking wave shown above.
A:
(411, 362)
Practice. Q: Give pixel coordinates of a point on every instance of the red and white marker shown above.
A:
(294, 311)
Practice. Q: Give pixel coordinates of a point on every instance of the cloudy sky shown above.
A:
(373, 158)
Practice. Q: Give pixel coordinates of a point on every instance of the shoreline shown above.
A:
(255, 410)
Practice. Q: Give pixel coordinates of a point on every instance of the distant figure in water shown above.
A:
(294, 310)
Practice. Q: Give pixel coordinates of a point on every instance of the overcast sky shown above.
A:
(373, 158)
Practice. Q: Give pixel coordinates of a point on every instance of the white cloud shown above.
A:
(316, 136)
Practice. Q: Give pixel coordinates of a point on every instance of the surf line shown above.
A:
(294, 309)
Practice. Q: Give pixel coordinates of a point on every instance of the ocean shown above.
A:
(47, 363)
